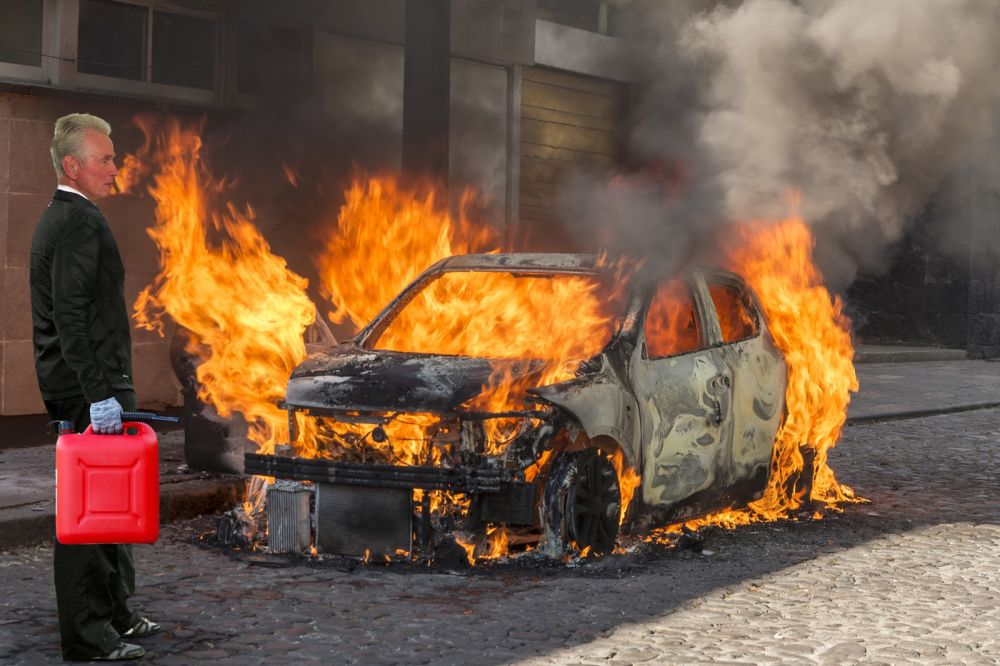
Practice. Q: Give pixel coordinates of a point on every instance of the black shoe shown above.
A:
(144, 627)
(121, 652)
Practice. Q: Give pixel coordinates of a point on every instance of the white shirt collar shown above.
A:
(67, 188)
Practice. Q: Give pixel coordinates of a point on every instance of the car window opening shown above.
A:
(737, 318)
(672, 325)
(505, 315)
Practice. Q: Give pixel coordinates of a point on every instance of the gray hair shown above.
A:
(69, 135)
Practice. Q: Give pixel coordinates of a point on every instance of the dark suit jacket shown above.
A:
(81, 332)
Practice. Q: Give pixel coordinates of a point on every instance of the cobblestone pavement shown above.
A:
(914, 576)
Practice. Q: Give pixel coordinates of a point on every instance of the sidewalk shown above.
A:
(27, 502)
(889, 391)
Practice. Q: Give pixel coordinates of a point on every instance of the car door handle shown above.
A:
(723, 382)
(715, 416)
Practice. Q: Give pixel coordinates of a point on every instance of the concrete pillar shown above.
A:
(426, 88)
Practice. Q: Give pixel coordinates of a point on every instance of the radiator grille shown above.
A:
(353, 519)
(288, 517)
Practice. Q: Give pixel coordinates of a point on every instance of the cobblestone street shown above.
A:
(914, 576)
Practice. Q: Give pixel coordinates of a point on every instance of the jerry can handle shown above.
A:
(148, 417)
(59, 427)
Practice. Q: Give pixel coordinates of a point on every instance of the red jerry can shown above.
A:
(108, 486)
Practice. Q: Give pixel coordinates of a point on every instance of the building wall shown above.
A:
(569, 123)
(27, 181)
(922, 300)
(357, 55)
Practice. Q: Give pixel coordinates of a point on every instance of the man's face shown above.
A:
(94, 171)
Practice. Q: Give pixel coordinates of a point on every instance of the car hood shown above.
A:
(350, 378)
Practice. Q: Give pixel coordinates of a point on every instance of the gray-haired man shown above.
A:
(83, 351)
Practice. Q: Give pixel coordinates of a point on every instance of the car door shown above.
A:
(758, 377)
(682, 388)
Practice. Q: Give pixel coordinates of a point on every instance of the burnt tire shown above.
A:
(581, 504)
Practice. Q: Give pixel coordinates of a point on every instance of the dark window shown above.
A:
(271, 58)
(21, 32)
(591, 15)
(737, 317)
(112, 39)
(672, 322)
(184, 50)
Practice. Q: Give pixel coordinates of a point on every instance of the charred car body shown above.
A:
(673, 417)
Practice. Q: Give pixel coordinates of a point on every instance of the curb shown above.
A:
(23, 526)
(909, 355)
(918, 413)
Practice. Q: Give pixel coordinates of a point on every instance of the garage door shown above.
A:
(569, 123)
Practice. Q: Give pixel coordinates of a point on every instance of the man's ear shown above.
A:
(70, 166)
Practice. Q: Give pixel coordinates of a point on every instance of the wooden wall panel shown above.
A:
(569, 123)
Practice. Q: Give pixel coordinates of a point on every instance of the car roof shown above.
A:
(551, 262)
(527, 262)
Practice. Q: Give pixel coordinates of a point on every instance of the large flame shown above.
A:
(386, 235)
(809, 327)
(247, 312)
(218, 278)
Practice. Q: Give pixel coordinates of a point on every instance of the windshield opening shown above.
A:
(505, 315)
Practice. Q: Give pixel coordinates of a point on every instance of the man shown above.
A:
(83, 351)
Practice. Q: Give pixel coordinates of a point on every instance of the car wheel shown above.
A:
(581, 504)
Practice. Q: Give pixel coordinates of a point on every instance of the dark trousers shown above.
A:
(93, 582)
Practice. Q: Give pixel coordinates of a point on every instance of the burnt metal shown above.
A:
(212, 443)
(288, 529)
(235, 528)
(360, 521)
(465, 480)
(513, 505)
(426, 530)
(352, 378)
(660, 416)
(737, 494)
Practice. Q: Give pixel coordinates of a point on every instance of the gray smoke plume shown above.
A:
(865, 108)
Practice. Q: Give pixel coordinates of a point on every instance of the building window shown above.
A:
(591, 15)
(112, 39)
(270, 57)
(21, 32)
(183, 50)
(130, 41)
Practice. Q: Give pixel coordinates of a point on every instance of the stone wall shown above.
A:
(27, 181)
(984, 290)
(922, 300)
(943, 287)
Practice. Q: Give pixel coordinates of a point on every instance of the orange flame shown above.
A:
(386, 235)
(219, 279)
(628, 481)
(809, 327)
(494, 545)
(248, 312)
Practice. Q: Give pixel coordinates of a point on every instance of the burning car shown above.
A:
(550, 399)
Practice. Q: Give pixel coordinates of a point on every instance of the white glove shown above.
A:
(106, 417)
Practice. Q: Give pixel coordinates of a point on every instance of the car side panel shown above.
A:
(758, 400)
(686, 425)
(602, 406)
